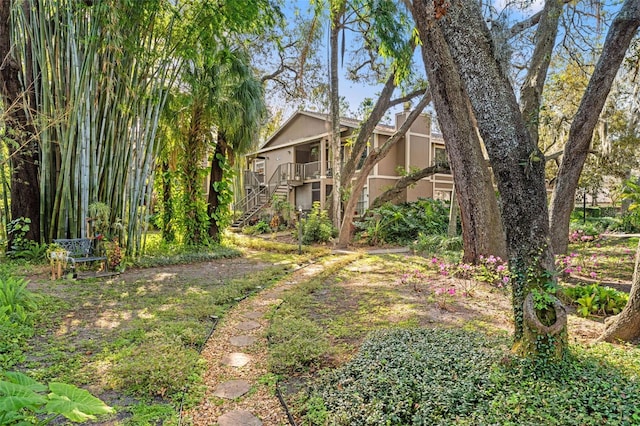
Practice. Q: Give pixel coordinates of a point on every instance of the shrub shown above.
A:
(16, 302)
(629, 222)
(17, 230)
(583, 232)
(437, 243)
(402, 223)
(594, 299)
(493, 270)
(17, 308)
(261, 227)
(317, 227)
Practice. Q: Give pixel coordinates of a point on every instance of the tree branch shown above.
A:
(407, 97)
(393, 193)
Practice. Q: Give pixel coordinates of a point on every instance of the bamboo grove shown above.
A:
(101, 74)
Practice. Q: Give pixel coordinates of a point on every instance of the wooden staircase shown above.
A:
(251, 205)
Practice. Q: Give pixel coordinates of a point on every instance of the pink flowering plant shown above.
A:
(587, 235)
(444, 297)
(466, 273)
(414, 278)
(580, 265)
(493, 270)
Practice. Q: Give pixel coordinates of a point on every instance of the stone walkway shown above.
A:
(239, 388)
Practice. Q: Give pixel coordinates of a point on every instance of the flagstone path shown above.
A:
(239, 388)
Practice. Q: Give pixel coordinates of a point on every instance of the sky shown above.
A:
(355, 93)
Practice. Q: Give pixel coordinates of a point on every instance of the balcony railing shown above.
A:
(312, 170)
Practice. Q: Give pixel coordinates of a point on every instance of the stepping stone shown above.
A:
(253, 315)
(242, 340)
(236, 359)
(232, 389)
(239, 418)
(248, 325)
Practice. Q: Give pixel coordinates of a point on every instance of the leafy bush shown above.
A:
(594, 299)
(583, 232)
(16, 302)
(437, 243)
(261, 227)
(17, 230)
(629, 223)
(17, 308)
(402, 223)
(317, 227)
(25, 401)
(33, 252)
(444, 377)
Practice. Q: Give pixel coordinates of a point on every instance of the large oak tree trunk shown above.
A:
(622, 31)
(626, 325)
(463, 69)
(20, 133)
(482, 231)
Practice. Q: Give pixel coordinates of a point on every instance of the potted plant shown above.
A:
(114, 255)
(58, 258)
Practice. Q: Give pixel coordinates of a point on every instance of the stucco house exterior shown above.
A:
(294, 163)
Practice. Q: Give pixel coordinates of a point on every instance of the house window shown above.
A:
(442, 195)
(258, 166)
(315, 191)
(313, 153)
(362, 202)
(362, 158)
(440, 156)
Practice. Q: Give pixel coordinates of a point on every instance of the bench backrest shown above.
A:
(77, 247)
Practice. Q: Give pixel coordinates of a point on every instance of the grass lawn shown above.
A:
(388, 339)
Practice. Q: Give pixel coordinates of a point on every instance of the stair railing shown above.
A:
(250, 201)
(281, 175)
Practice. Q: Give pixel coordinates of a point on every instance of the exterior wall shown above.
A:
(422, 124)
(395, 157)
(274, 158)
(303, 197)
(300, 127)
(378, 185)
(419, 151)
(422, 189)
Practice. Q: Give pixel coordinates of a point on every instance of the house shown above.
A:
(294, 163)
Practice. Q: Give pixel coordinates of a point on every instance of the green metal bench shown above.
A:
(80, 250)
